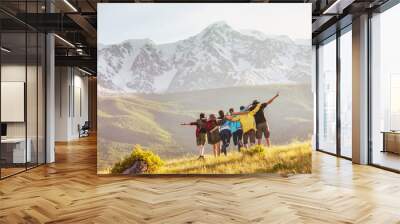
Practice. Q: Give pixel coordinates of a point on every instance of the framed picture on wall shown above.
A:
(204, 88)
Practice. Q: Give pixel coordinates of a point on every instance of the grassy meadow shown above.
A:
(293, 158)
(153, 120)
(288, 159)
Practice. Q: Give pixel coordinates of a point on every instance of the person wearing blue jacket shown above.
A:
(236, 131)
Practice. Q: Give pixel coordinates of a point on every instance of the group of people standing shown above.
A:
(243, 127)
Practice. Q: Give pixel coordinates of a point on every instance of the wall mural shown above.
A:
(204, 88)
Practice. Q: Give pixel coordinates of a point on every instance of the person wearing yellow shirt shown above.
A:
(248, 124)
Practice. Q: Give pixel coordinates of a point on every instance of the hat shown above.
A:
(242, 108)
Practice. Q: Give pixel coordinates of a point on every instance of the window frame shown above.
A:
(334, 37)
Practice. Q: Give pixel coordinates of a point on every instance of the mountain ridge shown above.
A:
(218, 56)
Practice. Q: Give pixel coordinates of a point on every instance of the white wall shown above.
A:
(71, 102)
(34, 125)
(62, 81)
(80, 110)
(10, 73)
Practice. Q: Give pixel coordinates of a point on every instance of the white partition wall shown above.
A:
(71, 102)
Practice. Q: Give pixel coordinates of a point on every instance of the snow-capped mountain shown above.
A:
(219, 56)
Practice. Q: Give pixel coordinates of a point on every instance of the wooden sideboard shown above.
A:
(391, 141)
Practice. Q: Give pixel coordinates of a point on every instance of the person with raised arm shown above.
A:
(262, 128)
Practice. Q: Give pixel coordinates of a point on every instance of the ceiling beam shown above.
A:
(320, 22)
(338, 6)
(86, 27)
(78, 61)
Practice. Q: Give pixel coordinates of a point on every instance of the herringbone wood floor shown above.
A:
(69, 191)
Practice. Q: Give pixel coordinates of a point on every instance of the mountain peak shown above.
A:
(220, 29)
(219, 25)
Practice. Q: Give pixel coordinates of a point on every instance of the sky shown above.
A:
(170, 22)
